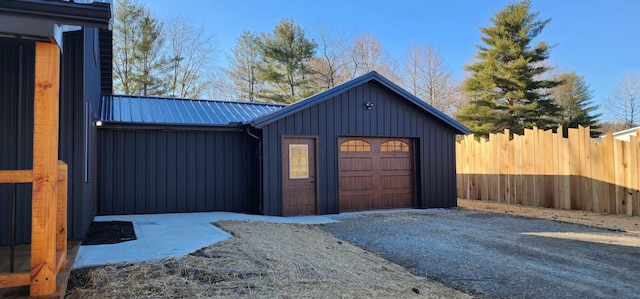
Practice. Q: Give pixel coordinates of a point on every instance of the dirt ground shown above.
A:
(622, 223)
(266, 260)
(262, 260)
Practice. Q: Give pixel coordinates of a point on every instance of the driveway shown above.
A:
(496, 255)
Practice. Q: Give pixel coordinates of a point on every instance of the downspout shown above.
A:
(260, 205)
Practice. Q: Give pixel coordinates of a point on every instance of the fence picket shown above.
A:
(634, 142)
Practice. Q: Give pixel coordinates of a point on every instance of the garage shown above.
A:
(363, 145)
(375, 173)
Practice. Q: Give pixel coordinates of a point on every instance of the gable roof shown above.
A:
(371, 76)
(138, 110)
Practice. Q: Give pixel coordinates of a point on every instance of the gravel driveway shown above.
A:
(495, 255)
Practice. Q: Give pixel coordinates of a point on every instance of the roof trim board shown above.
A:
(371, 76)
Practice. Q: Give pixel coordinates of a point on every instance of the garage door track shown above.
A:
(496, 255)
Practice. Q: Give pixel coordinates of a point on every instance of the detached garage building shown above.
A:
(365, 144)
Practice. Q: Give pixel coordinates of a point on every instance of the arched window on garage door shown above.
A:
(394, 146)
(355, 145)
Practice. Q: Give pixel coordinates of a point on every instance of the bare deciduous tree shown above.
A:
(367, 55)
(191, 53)
(624, 103)
(221, 87)
(329, 66)
(427, 77)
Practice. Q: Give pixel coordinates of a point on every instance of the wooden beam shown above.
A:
(14, 280)
(61, 215)
(45, 169)
(16, 176)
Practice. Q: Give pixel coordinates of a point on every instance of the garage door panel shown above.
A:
(397, 200)
(396, 182)
(377, 175)
(356, 203)
(395, 163)
(356, 183)
(356, 164)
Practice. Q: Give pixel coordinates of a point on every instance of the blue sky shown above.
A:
(596, 38)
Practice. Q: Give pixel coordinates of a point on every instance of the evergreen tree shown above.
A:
(137, 48)
(286, 53)
(125, 32)
(245, 66)
(574, 99)
(147, 52)
(505, 85)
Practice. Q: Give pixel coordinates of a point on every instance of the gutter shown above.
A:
(166, 126)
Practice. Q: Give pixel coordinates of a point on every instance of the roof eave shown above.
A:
(459, 128)
(237, 127)
(310, 101)
(96, 14)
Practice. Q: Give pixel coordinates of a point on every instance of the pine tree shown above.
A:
(573, 96)
(286, 53)
(125, 32)
(505, 85)
(137, 48)
(150, 63)
(245, 62)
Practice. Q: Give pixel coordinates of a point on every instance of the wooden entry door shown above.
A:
(299, 176)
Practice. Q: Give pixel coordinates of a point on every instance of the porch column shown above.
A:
(45, 169)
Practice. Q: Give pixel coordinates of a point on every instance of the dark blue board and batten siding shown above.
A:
(345, 114)
(176, 171)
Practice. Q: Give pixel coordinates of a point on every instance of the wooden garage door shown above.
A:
(376, 173)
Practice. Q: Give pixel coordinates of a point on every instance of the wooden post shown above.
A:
(61, 229)
(45, 169)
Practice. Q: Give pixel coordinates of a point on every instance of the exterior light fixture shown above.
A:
(99, 123)
(368, 105)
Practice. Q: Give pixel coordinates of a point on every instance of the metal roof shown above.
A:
(138, 110)
(371, 76)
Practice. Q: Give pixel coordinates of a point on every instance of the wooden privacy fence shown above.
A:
(543, 168)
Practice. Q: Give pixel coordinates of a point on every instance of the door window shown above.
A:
(355, 145)
(298, 161)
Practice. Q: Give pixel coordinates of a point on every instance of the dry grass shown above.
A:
(628, 224)
(263, 260)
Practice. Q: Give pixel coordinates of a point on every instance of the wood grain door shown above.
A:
(376, 173)
(299, 176)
